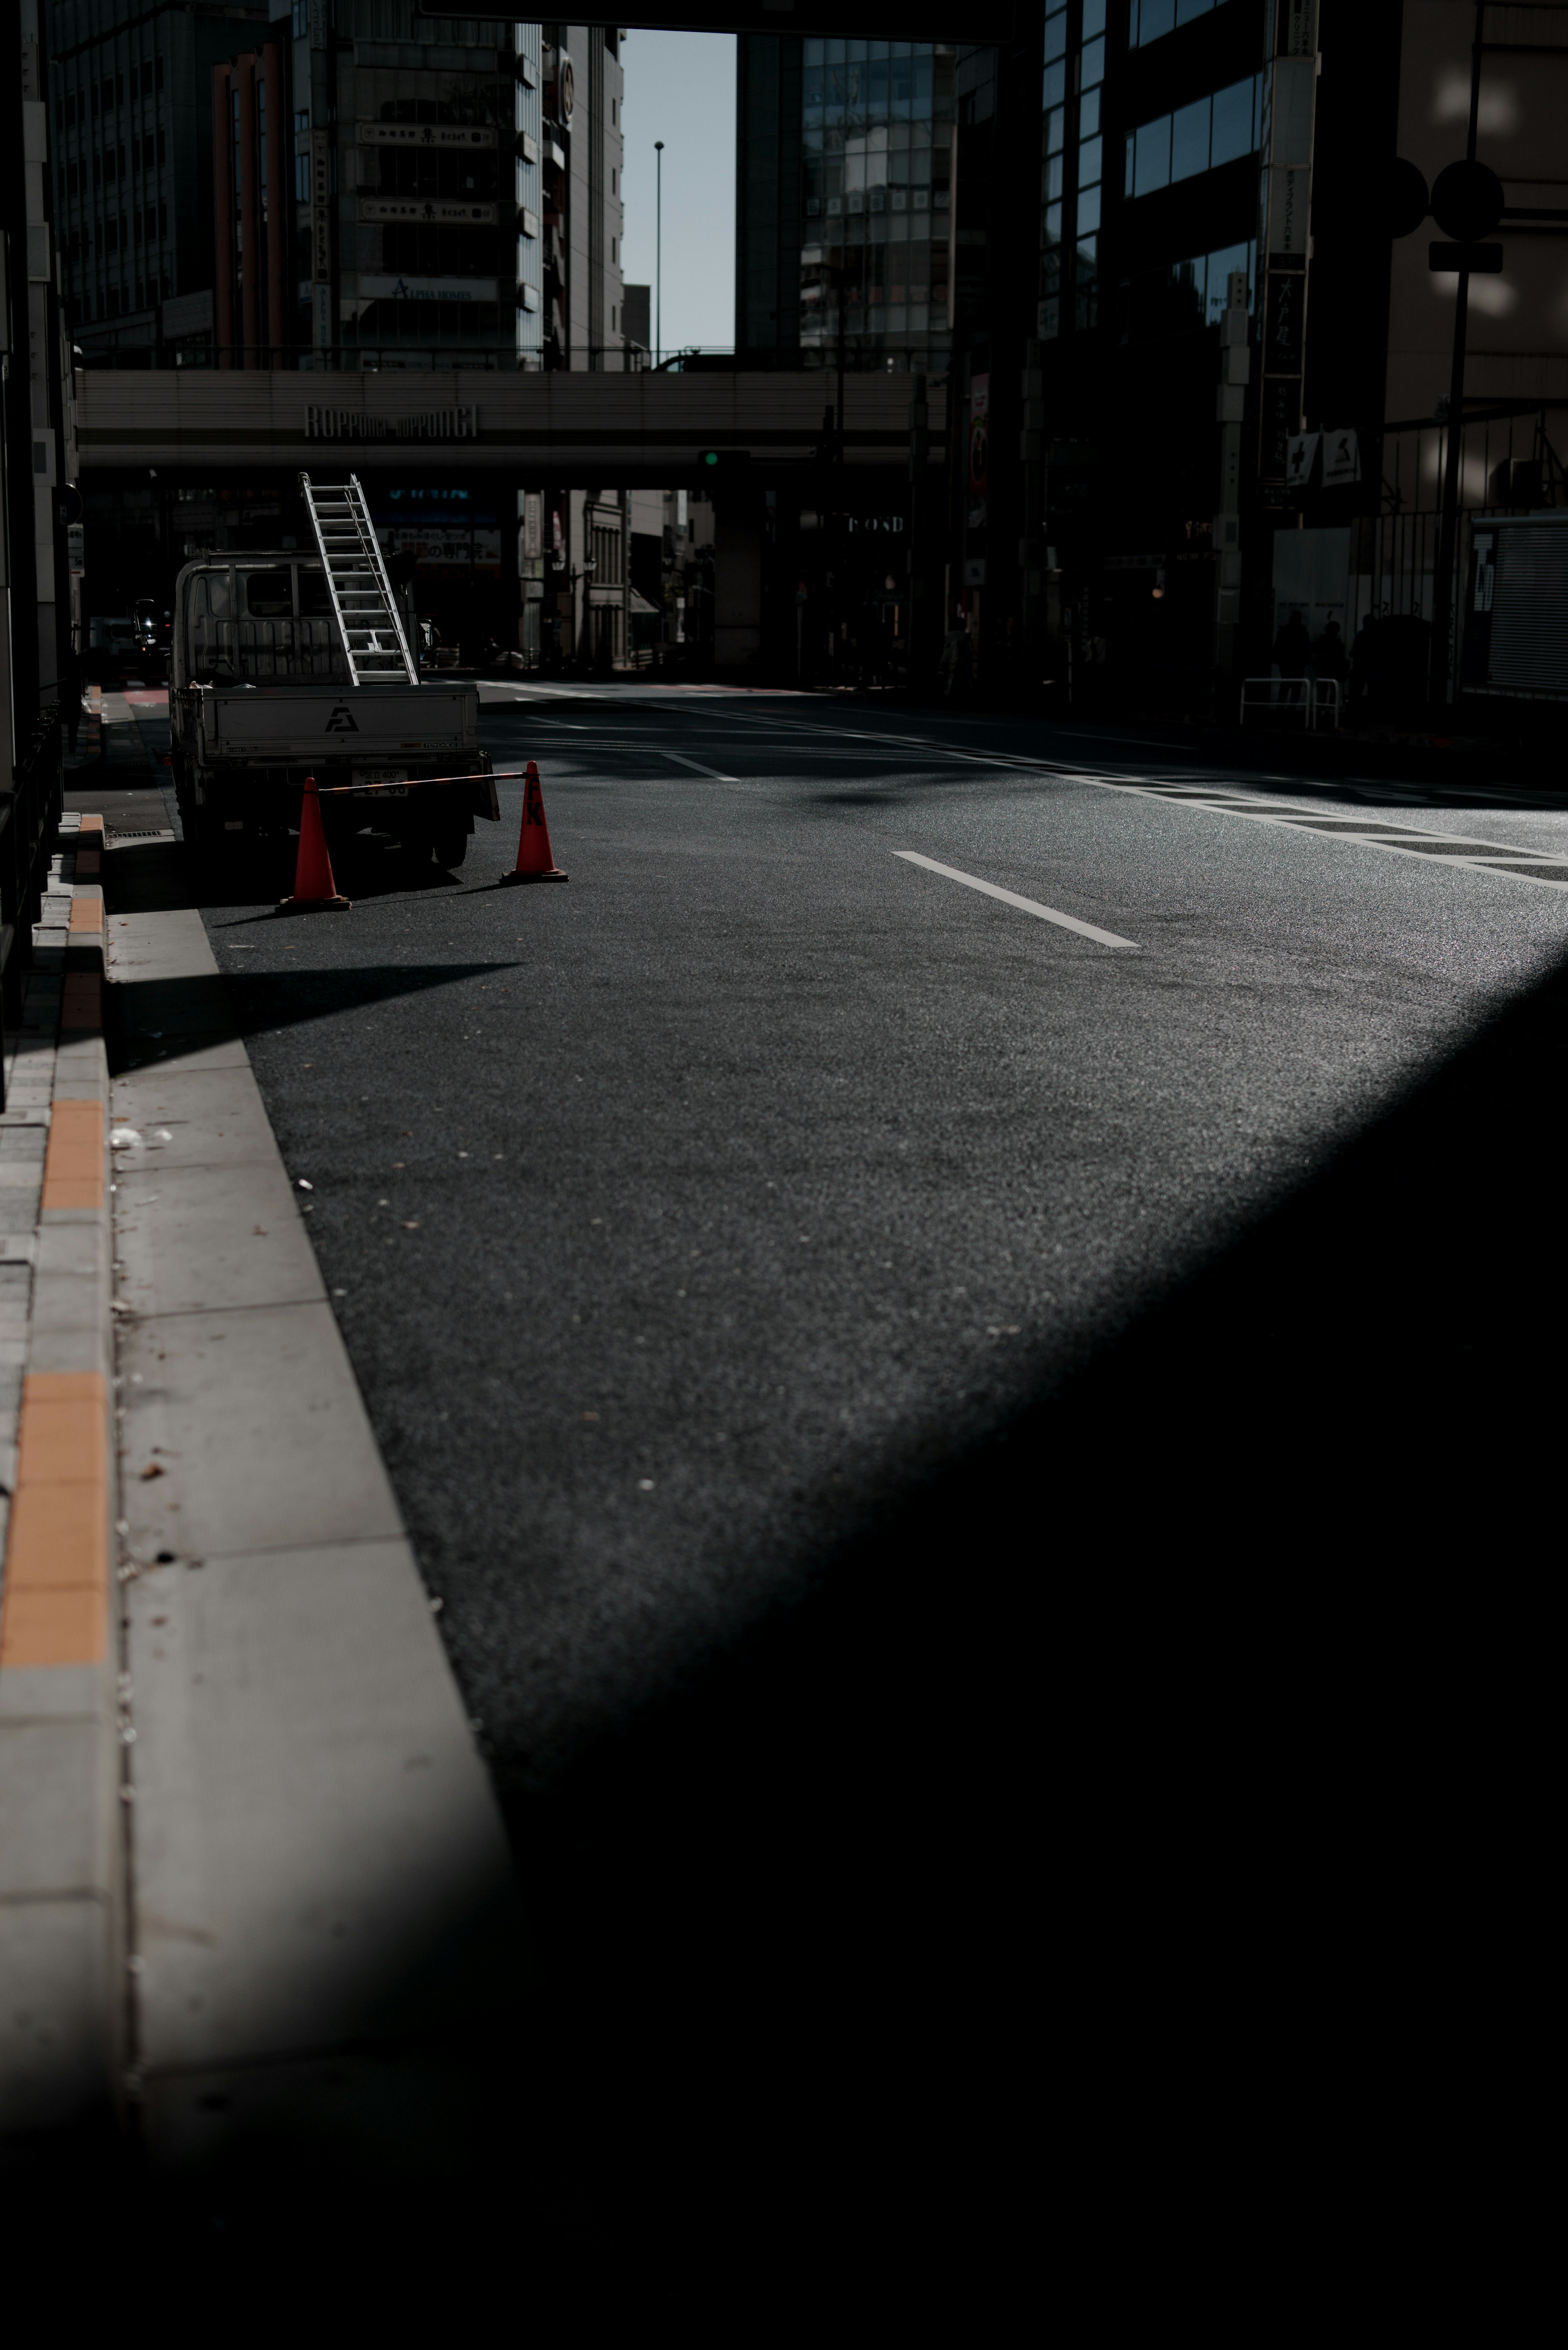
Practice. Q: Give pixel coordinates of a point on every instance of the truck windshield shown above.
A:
(269, 595)
(264, 623)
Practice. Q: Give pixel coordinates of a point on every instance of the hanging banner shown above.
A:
(1341, 459)
(1300, 458)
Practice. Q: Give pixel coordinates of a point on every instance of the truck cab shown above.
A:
(261, 696)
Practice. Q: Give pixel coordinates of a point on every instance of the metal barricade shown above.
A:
(1312, 703)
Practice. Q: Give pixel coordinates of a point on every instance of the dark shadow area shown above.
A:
(137, 808)
(1490, 774)
(1135, 1821)
(1118, 1880)
(156, 1019)
(161, 876)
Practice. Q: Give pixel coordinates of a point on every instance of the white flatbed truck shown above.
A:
(287, 665)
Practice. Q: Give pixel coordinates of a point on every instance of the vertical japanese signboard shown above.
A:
(321, 239)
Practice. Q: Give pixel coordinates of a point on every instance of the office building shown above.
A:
(39, 540)
(418, 185)
(844, 167)
(1229, 408)
(131, 94)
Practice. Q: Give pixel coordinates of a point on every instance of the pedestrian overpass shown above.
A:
(648, 429)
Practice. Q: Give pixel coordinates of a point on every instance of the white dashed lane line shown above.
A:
(1011, 897)
(681, 761)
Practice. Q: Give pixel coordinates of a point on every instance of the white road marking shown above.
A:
(1024, 905)
(1326, 824)
(681, 761)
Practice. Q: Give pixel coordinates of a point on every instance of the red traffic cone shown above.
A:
(314, 887)
(534, 861)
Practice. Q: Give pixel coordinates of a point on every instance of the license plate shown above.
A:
(393, 782)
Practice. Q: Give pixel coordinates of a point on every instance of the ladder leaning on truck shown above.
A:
(287, 665)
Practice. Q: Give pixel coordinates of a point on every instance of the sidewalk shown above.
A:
(258, 1907)
(59, 1743)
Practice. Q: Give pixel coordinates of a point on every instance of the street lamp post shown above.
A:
(658, 251)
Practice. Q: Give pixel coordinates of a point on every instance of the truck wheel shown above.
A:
(448, 839)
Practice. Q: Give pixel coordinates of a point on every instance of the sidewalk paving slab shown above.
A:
(325, 1919)
(61, 1879)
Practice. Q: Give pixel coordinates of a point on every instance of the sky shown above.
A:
(680, 87)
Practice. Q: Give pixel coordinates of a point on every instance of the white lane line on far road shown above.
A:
(701, 769)
(1024, 905)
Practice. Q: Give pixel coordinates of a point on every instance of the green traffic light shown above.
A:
(709, 456)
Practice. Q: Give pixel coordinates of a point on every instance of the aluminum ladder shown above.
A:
(370, 625)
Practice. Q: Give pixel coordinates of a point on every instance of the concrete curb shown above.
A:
(61, 1906)
(323, 1939)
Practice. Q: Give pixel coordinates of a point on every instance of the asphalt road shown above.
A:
(954, 1455)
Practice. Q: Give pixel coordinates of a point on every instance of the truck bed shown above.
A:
(285, 724)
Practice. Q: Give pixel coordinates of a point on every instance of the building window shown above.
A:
(1091, 162)
(1183, 295)
(1196, 138)
(875, 141)
(1050, 319)
(1150, 20)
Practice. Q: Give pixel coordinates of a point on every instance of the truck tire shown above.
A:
(449, 838)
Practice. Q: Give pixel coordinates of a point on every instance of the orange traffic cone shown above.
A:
(314, 887)
(534, 861)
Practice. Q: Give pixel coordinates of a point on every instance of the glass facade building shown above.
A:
(844, 226)
(1073, 170)
(877, 121)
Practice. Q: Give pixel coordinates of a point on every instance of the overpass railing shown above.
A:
(350, 358)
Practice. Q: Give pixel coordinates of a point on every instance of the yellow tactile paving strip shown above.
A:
(90, 840)
(56, 1608)
(73, 1166)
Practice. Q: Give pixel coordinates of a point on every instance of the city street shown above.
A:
(918, 1405)
(803, 1588)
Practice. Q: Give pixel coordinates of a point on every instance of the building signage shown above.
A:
(188, 314)
(354, 424)
(427, 289)
(454, 550)
(321, 238)
(426, 134)
(1302, 454)
(426, 208)
(1341, 459)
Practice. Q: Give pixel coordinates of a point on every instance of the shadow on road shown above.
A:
(1117, 1875)
(158, 876)
(1140, 1809)
(158, 1020)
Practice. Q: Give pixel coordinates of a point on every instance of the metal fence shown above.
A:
(1508, 463)
(1308, 705)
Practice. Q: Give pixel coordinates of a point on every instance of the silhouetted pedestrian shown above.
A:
(1293, 647)
(1329, 658)
(1293, 651)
